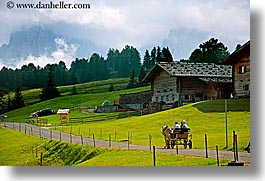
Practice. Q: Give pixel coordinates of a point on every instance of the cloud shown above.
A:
(139, 23)
(65, 52)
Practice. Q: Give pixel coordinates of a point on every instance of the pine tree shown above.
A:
(74, 91)
(111, 88)
(18, 101)
(166, 55)
(50, 91)
(132, 80)
(158, 55)
(142, 74)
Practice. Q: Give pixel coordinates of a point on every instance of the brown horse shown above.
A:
(167, 132)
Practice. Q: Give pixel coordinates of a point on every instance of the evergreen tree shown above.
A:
(153, 56)
(74, 91)
(166, 55)
(111, 88)
(147, 63)
(50, 90)
(132, 81)
(9, 104)
(210, 51)
(158, 55)
(2, 101)
(18, 101)
(142, 74)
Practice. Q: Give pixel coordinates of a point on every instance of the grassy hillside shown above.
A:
(201, 122)
(16, 150)
(32, 96)
(93, 99)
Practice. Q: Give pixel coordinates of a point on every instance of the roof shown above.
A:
(63, 111)
(201, 70)
(106, 103)
(235, 56)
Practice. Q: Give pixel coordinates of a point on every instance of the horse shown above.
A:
(167, 132)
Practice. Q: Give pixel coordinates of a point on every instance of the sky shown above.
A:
(139, 23)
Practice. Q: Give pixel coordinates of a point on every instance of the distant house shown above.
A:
(240, 60)
(178, 83)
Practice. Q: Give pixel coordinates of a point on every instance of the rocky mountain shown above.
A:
(182, 42)
(39, 41)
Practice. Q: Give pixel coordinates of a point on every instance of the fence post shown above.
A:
(217, 156)
(40, 132)
(131, 138)
(101, 133)
(50, 134)
(154, 155)
(94, 141)
(25, 129)
(150, 142)
(79, 130)
(70, 137)
(19, 127)
(109, 140)
(236, 147)
(31, 131)
(206, 146)
(60, 136)
(82, 140)
(115, 135)
(41, 159)
(128, 140)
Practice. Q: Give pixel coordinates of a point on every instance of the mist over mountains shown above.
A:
(40, 45)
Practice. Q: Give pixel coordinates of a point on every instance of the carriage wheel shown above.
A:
(190, 144)
(185, 144)
(172, 144)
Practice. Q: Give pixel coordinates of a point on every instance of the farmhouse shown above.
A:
(178, 83)
(240, 60)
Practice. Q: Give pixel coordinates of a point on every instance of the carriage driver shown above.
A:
(176, 126)
(184, 125)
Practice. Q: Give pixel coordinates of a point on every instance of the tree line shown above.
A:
(117, 64)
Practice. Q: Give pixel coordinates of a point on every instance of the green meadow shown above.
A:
(16, 150)
(206, 117)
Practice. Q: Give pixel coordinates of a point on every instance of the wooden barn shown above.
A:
(240, 60)
(178, 83)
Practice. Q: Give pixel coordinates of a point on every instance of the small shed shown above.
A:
(64, 115)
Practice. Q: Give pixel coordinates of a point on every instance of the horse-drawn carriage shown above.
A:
(177, 136)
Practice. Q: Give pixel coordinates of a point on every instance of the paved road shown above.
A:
(56, 135)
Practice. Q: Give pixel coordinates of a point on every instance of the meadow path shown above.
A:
(47, 133)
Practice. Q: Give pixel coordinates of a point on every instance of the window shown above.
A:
(242, 69)
(156, 99)
(246, 87)
(186, 97)
(167, 97)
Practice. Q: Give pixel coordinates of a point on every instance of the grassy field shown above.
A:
(205, 117)
(16, 150)
(86, 100)
(200, 121)
(32, 96)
